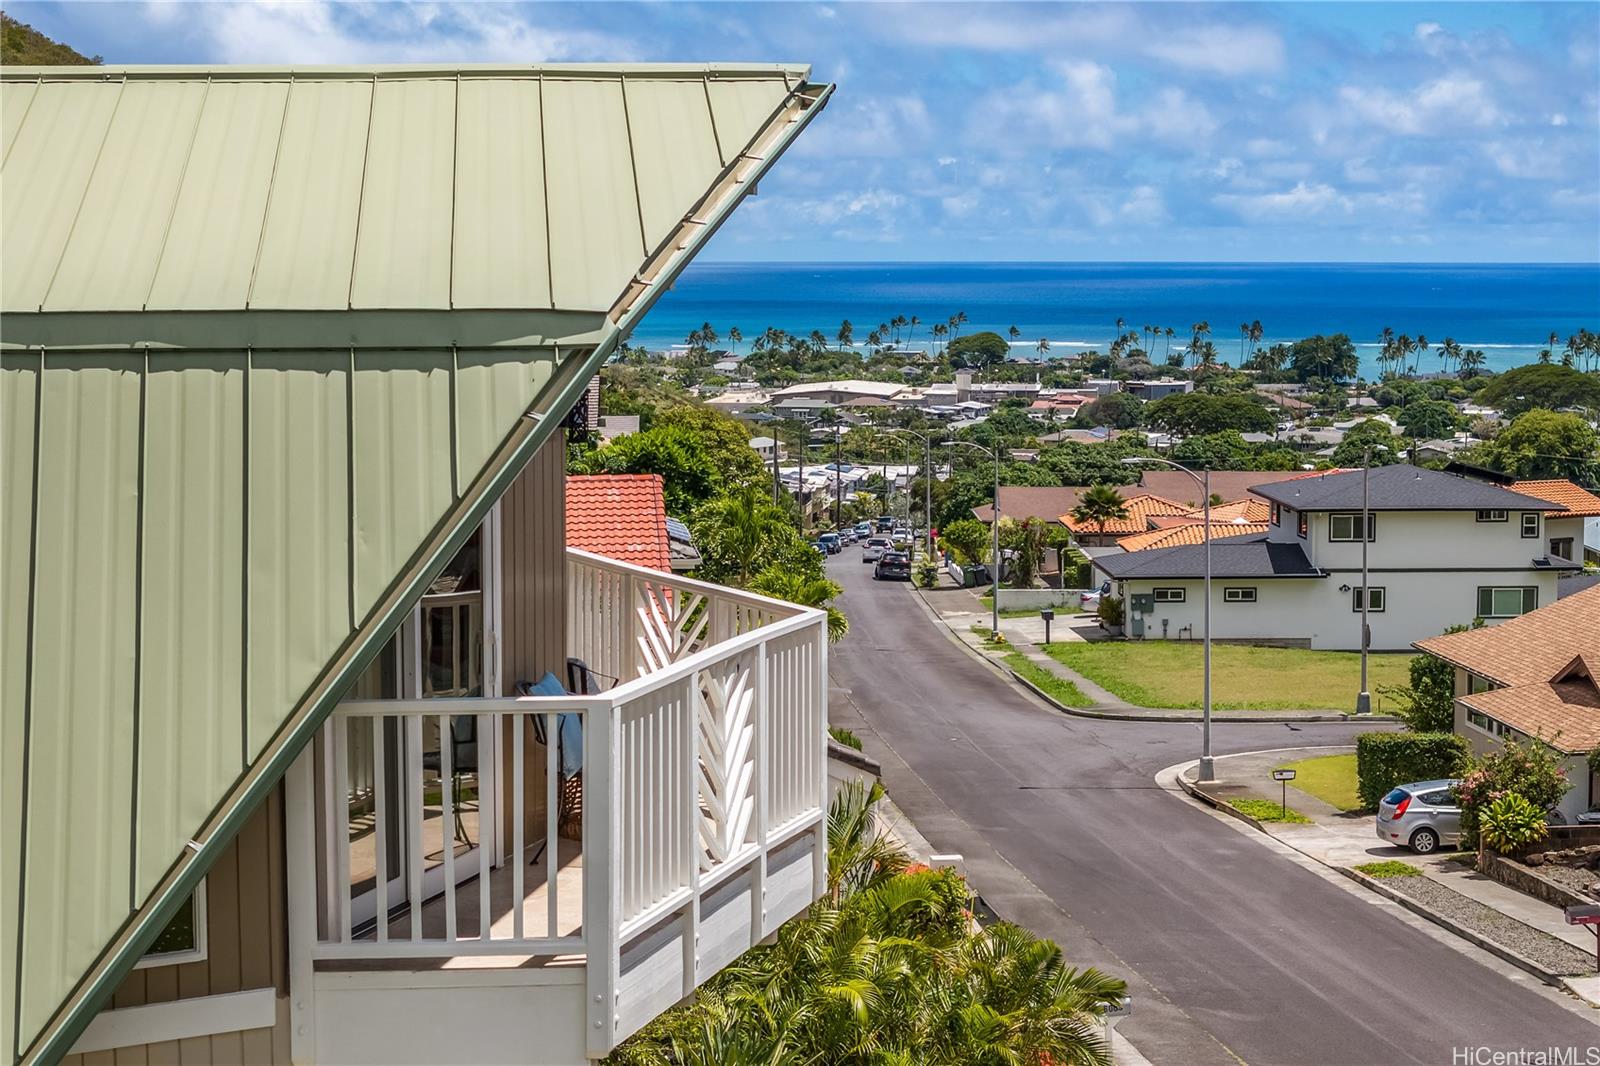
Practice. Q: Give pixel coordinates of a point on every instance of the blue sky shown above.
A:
(1453, 132)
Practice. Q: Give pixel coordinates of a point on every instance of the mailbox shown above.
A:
(1047, 614)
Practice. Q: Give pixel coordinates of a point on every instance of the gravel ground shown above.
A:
(1553, 954)
(1570, 877)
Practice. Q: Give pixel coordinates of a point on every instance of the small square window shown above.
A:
(1491, 516)
(1530, 523)
(1169, 595)
(1348, 527)
(1238, 595)
(1375, 601)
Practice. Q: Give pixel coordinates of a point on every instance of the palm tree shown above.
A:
(940, 331)
(1574, 347)
(735, 335)
(1016, 334)
(818, 592)
(915, 321)
(1244, 335)
(1256, 333)
(1422, 348)
(846, 334)
(1170, 335)
(1101, 504)
(1545, 355)
(1197, 331)
(1472, 361)
(708, 336)
(1449, 352)
(1042, 347)
(745, 521)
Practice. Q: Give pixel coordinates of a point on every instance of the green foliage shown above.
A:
(1100, 505)
(927, 573)
(1369, 433)
(887, 968)
(23, 46)
(1431, 699)
(1110, 610)
(1429, 419)
(1547, 385)
(967, 540)
(1269, 811)
(1388, 868)
(1119, 410)
(1226, 450)
(1330, 357)
(1544, 444)
(1528, 768)
(1384, 760)
(1059, 689)
(1196, 413)
(1510, 823)
(808, 590)
(844, 736)
(743, 532)
(977, 349)
(1023, 544)
(689, 474)
(1076, 463)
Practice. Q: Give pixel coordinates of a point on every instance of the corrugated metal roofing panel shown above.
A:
(595, 240)
(674, 149)
(19, 383)
(191, 636)
(491, 392)
(298, 531)
(77, 867)
(308, 246)
(403, 242)
(741, 106)
(500, 255)
(46, 171)
(110, 258)
(211, 242)
(15, 96)
(400, 435)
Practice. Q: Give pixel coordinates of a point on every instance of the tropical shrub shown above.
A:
(1110, 611)
(845, 737)
(1528, 768)
(1510, 823)
(927, 573)
(1384, 760)
(1429, 704)
(967, 539)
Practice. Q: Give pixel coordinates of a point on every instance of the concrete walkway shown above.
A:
(1340, 839)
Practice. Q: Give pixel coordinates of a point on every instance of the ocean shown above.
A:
(1507, 310)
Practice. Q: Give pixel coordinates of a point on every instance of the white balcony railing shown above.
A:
(699, 792)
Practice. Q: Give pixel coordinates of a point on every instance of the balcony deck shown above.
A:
(700, 795)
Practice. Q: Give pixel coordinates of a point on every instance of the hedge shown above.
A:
(1384, 760)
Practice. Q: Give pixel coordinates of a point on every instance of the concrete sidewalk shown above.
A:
(1344, 840)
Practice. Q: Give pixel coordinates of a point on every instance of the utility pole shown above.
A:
(1364, 699)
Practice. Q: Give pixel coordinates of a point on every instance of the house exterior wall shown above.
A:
(1415, 540)
(1570, 528)
(1578, 797)
(1419, 603)
(246, 948)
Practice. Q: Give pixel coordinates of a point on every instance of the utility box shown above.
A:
(1143, 602)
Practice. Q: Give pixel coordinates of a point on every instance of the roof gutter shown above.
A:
(55, 1041)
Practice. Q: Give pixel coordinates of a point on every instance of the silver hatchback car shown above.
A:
(1420, 816)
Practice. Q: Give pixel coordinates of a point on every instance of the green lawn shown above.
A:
(1269, 811)
(1161, 673)
(1330, 778)
(1009, 612)
(1059, 689)
(1389, 868)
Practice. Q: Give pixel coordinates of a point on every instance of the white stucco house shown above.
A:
(1442, 551)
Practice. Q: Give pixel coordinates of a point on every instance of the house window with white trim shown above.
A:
(1476, 684)
(1530, 524)
(1491, 516)
(1377, 597)
(1169, 595)
(1277, 514)
(1493, 726)
(1239, 595)
(1348, 527)
(184, 938)
(1506, 601)
(1301, 526)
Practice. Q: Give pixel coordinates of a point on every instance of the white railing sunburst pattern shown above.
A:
(726, 720)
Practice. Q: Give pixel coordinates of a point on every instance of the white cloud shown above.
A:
(1450, 102)
(1305, 200)
(1082, 111)
(1146, 206)
(869, 126)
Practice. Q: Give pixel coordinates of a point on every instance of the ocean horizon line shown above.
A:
(1455, 265)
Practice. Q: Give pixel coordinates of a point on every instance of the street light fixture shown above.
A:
(1207, 765)
(994, 528)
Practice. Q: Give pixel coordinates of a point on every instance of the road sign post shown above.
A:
(1283, 777)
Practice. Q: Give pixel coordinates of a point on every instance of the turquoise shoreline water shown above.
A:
(1508, 310)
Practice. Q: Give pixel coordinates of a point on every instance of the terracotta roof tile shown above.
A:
(1578, 502)
(620, 516)
(1192, 533)
(1141, 509)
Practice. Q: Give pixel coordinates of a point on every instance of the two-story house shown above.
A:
(316, 742)
(1441, 550)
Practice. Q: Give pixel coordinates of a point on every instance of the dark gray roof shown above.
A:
(1401, 487)
(1568, 585)
(1555, 562)
(1231, 557)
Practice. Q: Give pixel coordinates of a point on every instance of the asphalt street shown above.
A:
(1233, 951)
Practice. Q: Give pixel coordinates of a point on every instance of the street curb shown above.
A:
(1520, 961)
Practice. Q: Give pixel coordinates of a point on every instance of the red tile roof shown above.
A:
(1190, 533)
(1578, 502)
(620, 516)
(1141, 509)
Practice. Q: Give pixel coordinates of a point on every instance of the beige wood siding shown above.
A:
(247, 948)
(533, 537)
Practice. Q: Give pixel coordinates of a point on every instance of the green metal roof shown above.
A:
(273, 342)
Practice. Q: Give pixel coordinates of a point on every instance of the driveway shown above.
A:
(1233, 951)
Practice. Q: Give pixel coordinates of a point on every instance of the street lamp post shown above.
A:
(994, 530)
(1207, 765)
(927, 482)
